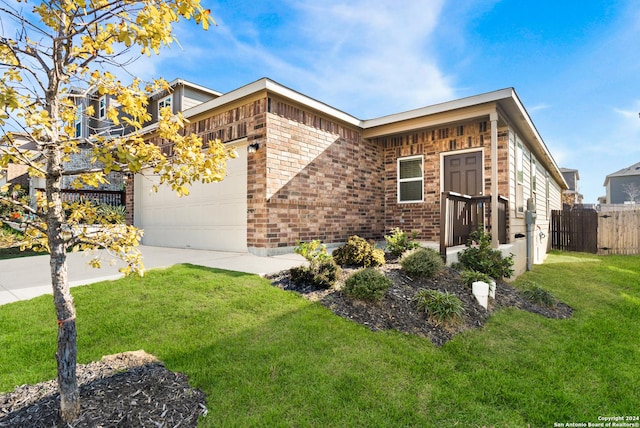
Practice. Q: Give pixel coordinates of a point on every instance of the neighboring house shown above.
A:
(15, 174)
(182, 95)
(571, 196)
(306, 170)
(623, 187)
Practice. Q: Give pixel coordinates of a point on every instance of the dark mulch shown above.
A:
(397, 311)
(132, 389)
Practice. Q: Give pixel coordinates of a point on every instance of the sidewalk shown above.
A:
(27, 277)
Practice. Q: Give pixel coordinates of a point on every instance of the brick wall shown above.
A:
(424, 217)
(129, 198)
(323, 181)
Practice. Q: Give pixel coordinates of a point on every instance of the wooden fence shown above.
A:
(574, 230)
(612, 230)
(619, 232)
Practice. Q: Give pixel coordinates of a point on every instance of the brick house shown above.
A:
(306, 171)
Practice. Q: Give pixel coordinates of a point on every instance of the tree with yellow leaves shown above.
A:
(48, 51)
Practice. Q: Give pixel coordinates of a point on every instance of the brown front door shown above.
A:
(463, 173)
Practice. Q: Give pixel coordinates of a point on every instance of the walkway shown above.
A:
(27, 277)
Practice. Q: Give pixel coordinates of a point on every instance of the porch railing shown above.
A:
(462, 214)
(109, 197)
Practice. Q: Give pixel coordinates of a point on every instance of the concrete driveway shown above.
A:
(27, 277)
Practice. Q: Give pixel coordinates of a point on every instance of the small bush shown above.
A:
(399, 242)
(470, 276)
(441, 307)
(538, 295)
(115, 214)
(312, 251)
(367, 284)
(358, 252)
(322, 274)
(483, 258)
(423, 262)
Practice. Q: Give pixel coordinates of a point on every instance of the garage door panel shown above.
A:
(212, 217)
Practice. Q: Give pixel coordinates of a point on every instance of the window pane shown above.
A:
(411, 168)
(411, 191)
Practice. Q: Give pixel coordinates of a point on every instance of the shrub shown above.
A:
(367, 284)
(312, 251)
(358, 252)
(399, 242)
(470, 276)
(441, 307)
(482, 258)
(424, 262)
(322, 274)
(538, 295)
(116, 214)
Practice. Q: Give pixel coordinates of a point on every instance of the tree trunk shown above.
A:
(67, 346)
(65, 310)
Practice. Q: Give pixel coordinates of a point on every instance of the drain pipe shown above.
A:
(530, 221)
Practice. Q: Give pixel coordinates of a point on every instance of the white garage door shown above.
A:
(212, 217)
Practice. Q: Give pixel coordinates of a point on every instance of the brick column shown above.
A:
(129, 198)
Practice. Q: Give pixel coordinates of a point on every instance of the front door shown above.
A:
(463, 173)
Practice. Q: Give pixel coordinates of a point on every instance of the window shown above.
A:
(78, 122)
(547, 193)
(410, 179)
(519, 180)
(102, 107)
(519, 164)
(534, 175)
(164, 102)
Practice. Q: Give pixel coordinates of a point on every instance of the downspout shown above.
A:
(495, 238)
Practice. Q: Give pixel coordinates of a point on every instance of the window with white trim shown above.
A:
(164, 102)
(519, 180)
(547, 193)
(411, 179)
(519, 164)
(534, 175)
(102, 107)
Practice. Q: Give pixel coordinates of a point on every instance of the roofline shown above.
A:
(439, 108)
(178, 81)
(268, 85)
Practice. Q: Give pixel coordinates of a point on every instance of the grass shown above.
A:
(266, 357)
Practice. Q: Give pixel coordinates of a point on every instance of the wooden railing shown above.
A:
(109, 197)
(462, 214)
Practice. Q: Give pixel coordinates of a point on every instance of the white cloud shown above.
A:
(374, 57)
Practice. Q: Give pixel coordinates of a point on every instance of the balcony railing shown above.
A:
(108, 197)
(462, 214)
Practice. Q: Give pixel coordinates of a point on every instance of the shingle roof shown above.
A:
(628, 171)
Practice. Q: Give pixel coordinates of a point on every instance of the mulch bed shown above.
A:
(132, 389)
(396, 310)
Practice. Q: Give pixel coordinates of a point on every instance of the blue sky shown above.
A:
(574, 64)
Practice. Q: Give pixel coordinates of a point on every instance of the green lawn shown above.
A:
(266, 357)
